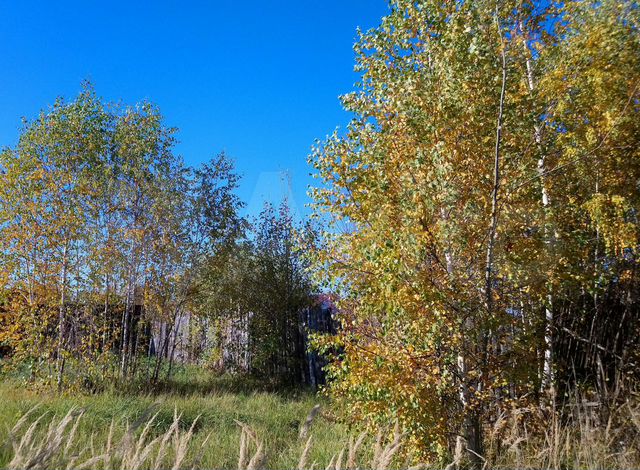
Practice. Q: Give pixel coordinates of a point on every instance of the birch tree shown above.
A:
(462, 206)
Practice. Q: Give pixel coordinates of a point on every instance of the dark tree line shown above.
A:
(263, 295)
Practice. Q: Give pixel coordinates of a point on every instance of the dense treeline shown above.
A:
(110, 248)
(259, 290)
(489, 187)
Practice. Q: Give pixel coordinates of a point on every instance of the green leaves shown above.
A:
(407, 195)
(100, 220)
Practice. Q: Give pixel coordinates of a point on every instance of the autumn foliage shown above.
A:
(102, 230)
(477, 221)
(482, 211)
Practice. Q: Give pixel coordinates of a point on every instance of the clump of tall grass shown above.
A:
(57, 445)
(581, 435)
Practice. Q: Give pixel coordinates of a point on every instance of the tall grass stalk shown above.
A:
(57, 445)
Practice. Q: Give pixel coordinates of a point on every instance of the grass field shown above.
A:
(128, 427)
(217, 402)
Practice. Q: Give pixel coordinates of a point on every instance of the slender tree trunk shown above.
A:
(31, 279)
(105, 315)
(548, 371)
(129, 306)
(125, 330)
(493, 229)
(61, 317)
(469, 434)
(472, 422)
(164, 353)
(176, 330)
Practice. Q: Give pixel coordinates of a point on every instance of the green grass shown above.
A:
(218, 401)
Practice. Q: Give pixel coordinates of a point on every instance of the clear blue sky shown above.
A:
(257, 79)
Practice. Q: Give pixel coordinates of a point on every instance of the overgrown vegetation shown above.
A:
(236, 428)
(216, 402)
(256, 291)
(476, 224)
(481, 215)
(118, 260)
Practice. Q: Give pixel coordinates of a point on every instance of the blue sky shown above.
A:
(257, 79)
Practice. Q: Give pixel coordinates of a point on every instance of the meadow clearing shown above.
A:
(216, 404)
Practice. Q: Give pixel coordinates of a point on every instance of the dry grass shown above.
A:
(588, 436)
(57, 445)
(276, 419)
